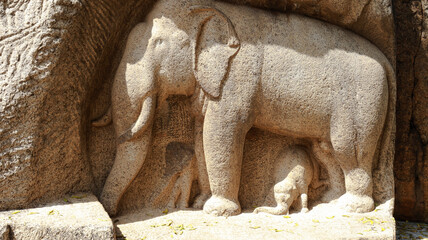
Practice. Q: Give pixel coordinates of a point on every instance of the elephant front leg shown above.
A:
(204, 185)
(129, 159)
(223, 141)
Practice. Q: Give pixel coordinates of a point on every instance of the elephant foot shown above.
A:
(219, 206)
(200, 201)
(356, 203)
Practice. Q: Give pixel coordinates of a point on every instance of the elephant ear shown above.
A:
(216, 44)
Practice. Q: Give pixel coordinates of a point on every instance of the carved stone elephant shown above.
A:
(244, 67)
(293, 174)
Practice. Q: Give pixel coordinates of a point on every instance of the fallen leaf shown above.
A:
(52, 212)
(79, 197)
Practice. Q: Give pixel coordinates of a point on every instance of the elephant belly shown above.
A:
(294, 119)
(296, 101)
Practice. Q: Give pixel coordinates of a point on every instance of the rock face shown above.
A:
(57, 62)
(78, 216)
(411, 159)
(51, 59)
(325, 86)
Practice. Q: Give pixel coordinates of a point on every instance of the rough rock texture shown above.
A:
(53, 54)
(55, 76)
(321, 224)
(78, 216)
(266, 86)
(411, 159)
(369, 18)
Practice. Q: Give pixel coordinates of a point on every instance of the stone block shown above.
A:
(78, 216)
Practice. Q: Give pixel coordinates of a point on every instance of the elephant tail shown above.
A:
(383, 167)
(103, 121)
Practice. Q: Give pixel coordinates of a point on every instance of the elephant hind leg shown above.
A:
(323, 152)
(353, 157)
(129, 159)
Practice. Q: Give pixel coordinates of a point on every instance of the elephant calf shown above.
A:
(292, 178)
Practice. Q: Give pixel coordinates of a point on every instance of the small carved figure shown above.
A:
(245, 67)
(184, 166)
(293, 174)
(180, 173)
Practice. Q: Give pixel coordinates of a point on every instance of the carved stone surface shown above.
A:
(78, 216)
(319, 224)
(411, 159)
(293, 173)
(325, 85)
(92, 37)
(55, 76)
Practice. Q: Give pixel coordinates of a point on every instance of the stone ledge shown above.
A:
(78, 216)
(191, 224)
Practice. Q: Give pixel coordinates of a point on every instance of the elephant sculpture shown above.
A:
(245, 67)
(293, 174)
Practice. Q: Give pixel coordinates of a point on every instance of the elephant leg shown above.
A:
(223, 141)
(129, 159)
(323, 152)
(175, 193)
(304, 201)
(185, 182)
(358, 181)
(204, 185)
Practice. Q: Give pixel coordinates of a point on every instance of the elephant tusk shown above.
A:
(145, 117)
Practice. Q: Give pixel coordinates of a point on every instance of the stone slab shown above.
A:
(78, 216)
(317, 224)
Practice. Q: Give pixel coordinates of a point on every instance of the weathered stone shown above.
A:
(53, 55)
(411, 159)
(64, 160)
(369, 18)
(325, 85)
(4, 230)
(320, 224)
(78, 216)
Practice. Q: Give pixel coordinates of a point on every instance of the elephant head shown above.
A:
(174, 53)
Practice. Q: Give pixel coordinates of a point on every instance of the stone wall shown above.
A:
(57, 59)
(411, 159)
